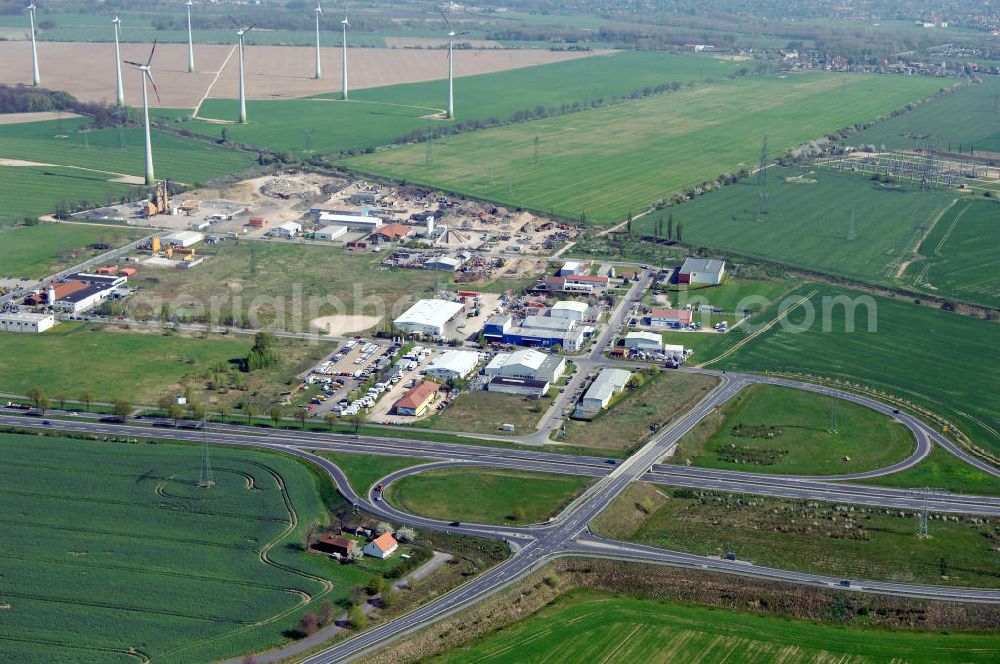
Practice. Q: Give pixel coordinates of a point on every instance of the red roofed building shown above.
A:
(416, 401)
(328, 543)
(391, 233)
(382, 546)
(61, 290)
(670, 317)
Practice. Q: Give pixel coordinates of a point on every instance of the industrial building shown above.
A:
(527, 364)
(26, 322)
(644, 341)
(525, 387)
(584, 283)
(537, 331)
(453, 364)
(574, 268)
(354, 222)
(391, 233)
(330, 233)
(365, 197)
(183, 239)
(667, 318)
(571, 309)
(607, 384)
(701, 271)
(287, 229)
(444, 263)
(428, 317)
(415, 402)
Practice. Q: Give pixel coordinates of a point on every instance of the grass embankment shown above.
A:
(772, 429)
(657, 402)
(841, 540)
(942, 470)
(484, 412)
(486, 496)
(145, 559)
(607, 161)
(583, 626)
(363, 470)
(940, 360)
(36, 251)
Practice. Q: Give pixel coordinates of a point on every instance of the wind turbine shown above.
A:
(241, 33)
(190, 40)
(451, 66)
(319, 66)
(344, 24)
(119, 91)
(36, 79)
(146, 72)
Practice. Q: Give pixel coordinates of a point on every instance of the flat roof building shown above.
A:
(354, 222)
(644, 340)
(453, 364)
(330, 233)
(701, 271)
(183, 239)
(287, 229)
(428, 317)
(670, 317)
(527, 364)
(571, 309)
(26, 322)
(527, 387)
(607, 384)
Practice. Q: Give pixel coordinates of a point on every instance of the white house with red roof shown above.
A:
(382, 546)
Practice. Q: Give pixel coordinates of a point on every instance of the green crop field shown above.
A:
(734, 296)
(582, 627)
(809, 222)
(970, 119)
(957, 259)
(36, 251)
(378, 116)
(848, 541)
(32, 191)
(940, 360)
(73, 358)
(778, 430)
(111, 552)
(611, 160)
(57, 142)
(485, 495)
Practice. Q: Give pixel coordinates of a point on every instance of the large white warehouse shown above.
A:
(428, 317)
(453, 364)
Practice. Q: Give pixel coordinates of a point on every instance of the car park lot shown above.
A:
(343, 373)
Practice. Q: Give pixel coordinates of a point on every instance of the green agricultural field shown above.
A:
(480, 411)
(364, 469)
(37, 251)
(485, 495)
(581, 627)
(968, 119)
(841, 540)
(30, 192)
(770, 429)
(942, 470)
(110, 548)
(606, 162)
(957, 259)
(734, 296)
(73, 358)
(940, 360)
(379, 116)
(58, 143)
(809, 222)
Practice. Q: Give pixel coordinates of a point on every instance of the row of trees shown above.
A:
(119, 407)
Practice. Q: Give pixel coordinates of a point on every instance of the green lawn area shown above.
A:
(480, 411)
(841, 540)
(177, 158)
(611, 160)
(31, 191)
(364, 469)
(957, 257)
(967, 118)
(942, 470)
(809, 220)
(627, 424)
(36, 251)
(108, 547)
(770, 429)
(378, 116)
(73, 358)
(582, 627)
(938, 359)
(733, 296)
(485, 495)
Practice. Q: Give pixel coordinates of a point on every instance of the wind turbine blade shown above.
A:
(153, 83)
(150, 61)
(250, 28)
(445, 19)
(459, 34)
(235, 22)
(134, 64)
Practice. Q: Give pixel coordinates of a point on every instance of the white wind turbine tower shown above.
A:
(319, 66)
(451, 66)
(241, 33)
(344, 24)
(35, 78)
(119, 91)
(146, 72)
(190, 40)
